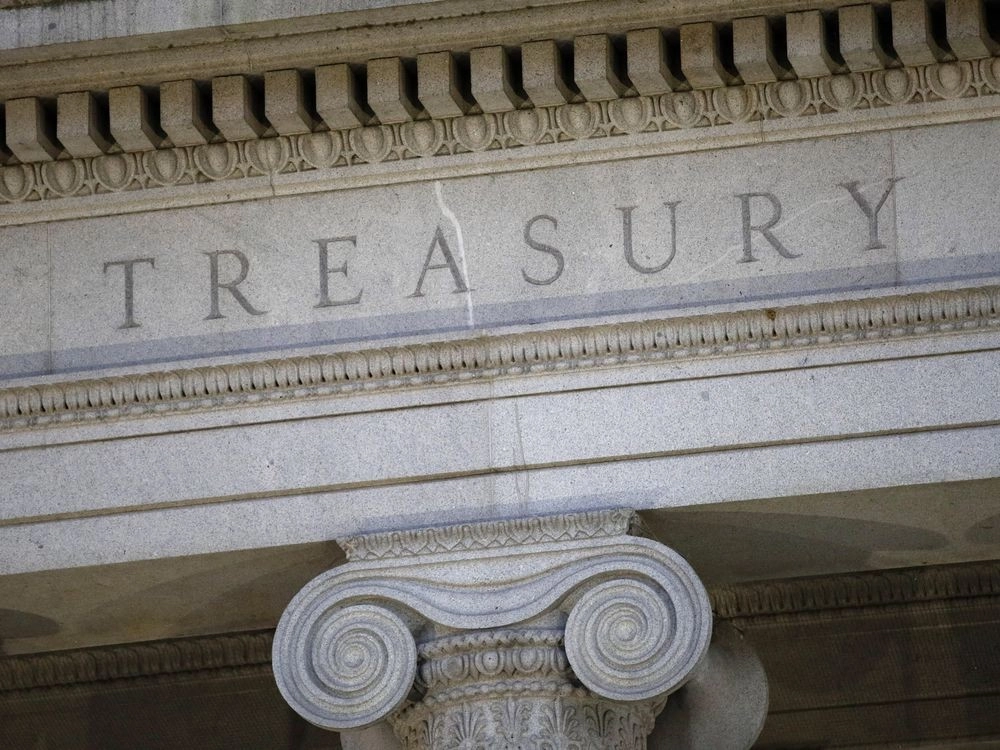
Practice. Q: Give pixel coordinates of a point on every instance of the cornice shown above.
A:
(428, 364)
(519, 139)
(272, 43)
(282, 108)
(761, 599)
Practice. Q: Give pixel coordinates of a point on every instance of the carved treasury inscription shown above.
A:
(757, 230)
(715, 230)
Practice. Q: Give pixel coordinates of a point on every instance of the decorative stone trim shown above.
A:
(612, 92)
(760, 599)
(404, 151)
(418, 365)
(170, 657)
(840, 592)
(489, 535)
(270, 42)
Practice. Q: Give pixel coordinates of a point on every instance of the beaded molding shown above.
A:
(418, 365)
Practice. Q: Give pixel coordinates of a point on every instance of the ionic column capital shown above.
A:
(566, 615)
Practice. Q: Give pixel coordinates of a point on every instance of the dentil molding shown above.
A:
(615, 90)
(486, 143)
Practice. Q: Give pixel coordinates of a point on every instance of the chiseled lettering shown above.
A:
(325, 271)
(764, 228)
(543, 248)
(128, 267)
(230, 286)
(874, 243)
(627, 235)
(449, 263)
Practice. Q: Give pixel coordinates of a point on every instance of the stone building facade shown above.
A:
(556, 374)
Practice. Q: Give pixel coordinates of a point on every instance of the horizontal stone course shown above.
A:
(694, 56)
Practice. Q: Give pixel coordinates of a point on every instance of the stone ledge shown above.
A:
(876, 589)
(418, 365)
(140, 55)
(201, 168)
(169, 657)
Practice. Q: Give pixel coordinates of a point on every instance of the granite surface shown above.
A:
(727, 230)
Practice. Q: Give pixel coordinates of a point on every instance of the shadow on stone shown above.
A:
(723, 706)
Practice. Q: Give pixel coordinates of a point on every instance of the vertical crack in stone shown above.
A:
(470, 319)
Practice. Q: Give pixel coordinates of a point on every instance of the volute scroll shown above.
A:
(349, 667)
(562, 629)
(633, 640)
